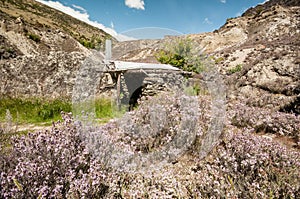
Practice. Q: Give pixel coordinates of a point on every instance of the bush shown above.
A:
(260, 120)
(69, 161)
(182, 54)
(237, 68)
(250, 167)
(93, 43)
(87, 44)
(51, 164)
(34, 37)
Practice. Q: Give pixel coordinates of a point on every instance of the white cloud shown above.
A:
(263, 2)
(81, 14)
(223, 1)
(112, 25)
(79, 8)
(207, 21)
(137, 4)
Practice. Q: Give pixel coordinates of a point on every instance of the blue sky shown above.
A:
(134, 17)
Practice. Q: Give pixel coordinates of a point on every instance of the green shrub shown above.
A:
(34, 37)
(87, 44)
(172, 59)
(237, 68)
(182, 54)
(93, 43)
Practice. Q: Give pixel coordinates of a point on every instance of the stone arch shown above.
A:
(137, 94)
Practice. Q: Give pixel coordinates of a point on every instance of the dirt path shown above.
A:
(25, 127)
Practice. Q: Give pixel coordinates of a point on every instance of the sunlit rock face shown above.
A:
(41, 49)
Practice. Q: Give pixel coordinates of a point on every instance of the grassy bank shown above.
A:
(37, 110)
(33, 110)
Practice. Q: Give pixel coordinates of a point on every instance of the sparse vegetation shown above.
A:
(218, 60)
(235, 69)
(34, 37)
(259, 10)
(229, 19)
(92, 43)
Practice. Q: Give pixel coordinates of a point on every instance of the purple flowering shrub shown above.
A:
(250, 166)
(72, 161)
(246, 166)
(161, 129)
(157, 121)
(261, 120)
(50, 164)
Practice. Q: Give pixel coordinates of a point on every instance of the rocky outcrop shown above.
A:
(268, 4)
(51, 75)
(270, 71)
(41, 62)
(41, 57)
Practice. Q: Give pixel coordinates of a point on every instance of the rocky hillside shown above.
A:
(268, 57)
(41, 49)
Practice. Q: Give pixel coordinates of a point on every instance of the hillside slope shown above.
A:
(41, 49)
(264, 43)
(41, 17)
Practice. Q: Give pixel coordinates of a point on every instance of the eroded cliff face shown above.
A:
(40, 62)
(41, 50)
(269, 60)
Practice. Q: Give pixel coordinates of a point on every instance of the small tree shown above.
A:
(182, 53)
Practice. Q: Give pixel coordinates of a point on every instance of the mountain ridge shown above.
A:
(42, 16)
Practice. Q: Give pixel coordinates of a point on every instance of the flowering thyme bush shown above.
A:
(157, 132)
(50, 164)
(58, 163)
(264, 120)
(247, 166)
(251, 166)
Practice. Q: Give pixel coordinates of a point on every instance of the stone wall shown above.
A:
(136, 84)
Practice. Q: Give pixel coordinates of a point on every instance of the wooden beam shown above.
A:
(118, 91)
